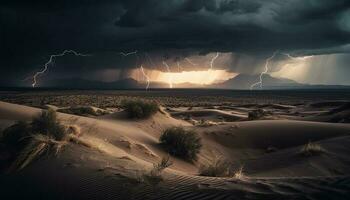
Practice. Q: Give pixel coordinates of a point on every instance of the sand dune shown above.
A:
(121, 149)
(337, 114)
(290, 163)
(212, 114)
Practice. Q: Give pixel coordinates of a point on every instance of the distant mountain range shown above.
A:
(244, 81)
(239, 82)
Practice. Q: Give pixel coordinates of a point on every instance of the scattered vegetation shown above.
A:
(312, 149)
(83, 111)
(154, 177)
(180, 142)
(26, 142)
(139, 109)
(113, 99)
(219, 167)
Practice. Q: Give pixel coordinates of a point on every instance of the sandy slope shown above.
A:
(123, 148)
(210, 114)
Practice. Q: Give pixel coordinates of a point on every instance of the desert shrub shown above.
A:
(47, 124)
(26, 142)
(311, 149)
(83, 111)
(217, 168)
(139, 109)
(180, 142)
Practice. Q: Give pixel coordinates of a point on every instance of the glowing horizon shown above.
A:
(206, 77)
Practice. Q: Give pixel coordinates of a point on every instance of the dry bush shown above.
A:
(47, 124)
(219, 167)
(29, 141)
(139, 109)
(311, 149)
(180, 142)
(83, 111)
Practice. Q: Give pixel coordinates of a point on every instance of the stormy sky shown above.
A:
(245, 32)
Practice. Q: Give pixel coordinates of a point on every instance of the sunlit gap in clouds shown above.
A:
(331, 69)
(297, 69)
(206, 77)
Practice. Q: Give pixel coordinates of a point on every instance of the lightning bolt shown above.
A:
(37, 74)
(267, 66)
(170, 78)
(128, 53)
(179, 67)
(50, 61)
(296, 58)
(125, 54)
(189, 61)
(213, 60)
(260, 82)
(146, 77)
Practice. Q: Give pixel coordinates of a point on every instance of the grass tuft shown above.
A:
(219, 167)
(312, 149)
(238, 174)
(180, 142)
(154, 177)
(158, 168)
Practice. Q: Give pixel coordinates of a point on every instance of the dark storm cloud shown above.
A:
(32, 30)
